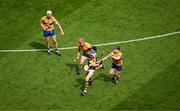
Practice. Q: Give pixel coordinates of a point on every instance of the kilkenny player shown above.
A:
(116, 68)
(93, 64)
(86, 49)
(47, 24)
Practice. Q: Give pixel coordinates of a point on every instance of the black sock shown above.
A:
(113, 78)
(86, 85)
(117, 78)
(90, 81)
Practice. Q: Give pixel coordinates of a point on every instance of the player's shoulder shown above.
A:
(53, 18)
(87, 44)
(79, 45)
(44, 17)
(112, 53)
(120, 53)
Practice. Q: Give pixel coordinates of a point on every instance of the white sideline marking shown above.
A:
(105, 44)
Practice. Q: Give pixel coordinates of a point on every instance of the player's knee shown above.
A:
(110, 72)
(55, 42)
(87, 79)
(47, 42)
(118, 74)
(81, 66)
(81, 62)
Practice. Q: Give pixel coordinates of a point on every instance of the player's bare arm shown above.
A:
(59, 26)
(42, 26)
(78, 55)
(116, 58)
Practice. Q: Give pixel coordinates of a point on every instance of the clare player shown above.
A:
(86, 50)
(47, 24)
(94, 65)
(116, 68)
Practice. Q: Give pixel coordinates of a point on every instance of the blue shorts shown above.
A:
(118, 68)
(49, 33)
(92, 53)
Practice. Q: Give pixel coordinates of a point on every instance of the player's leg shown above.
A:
(56, 44)
(112, 73)
(86, 83)
(90, 81)
(81, 64)
(47, 41)
(118, 74)
(54, 39)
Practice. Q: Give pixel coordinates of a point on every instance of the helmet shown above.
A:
(49, 12)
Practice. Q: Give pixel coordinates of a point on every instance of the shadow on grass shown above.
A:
(37, 45)
(72, 67)
(162, 92)
(103, 77)
(80, 84)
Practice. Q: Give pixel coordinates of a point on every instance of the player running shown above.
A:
(116, 68)
(47, 24)
(86, 49)
(93, 65)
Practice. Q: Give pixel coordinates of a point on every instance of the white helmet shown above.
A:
(49, 12)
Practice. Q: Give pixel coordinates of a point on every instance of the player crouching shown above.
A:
(93, 65)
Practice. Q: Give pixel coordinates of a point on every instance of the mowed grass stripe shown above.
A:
(58, 80)
(38, 81)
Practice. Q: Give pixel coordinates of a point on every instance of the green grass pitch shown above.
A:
(37, 81)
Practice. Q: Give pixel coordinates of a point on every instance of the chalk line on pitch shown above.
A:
(104, 44)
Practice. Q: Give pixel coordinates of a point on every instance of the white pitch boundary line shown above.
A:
(105, 44)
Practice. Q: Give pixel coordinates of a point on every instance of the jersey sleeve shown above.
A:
(112, 54)
(120, 53)
(41, 20)
(54, 20)
(42, 23)
(88, 45)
